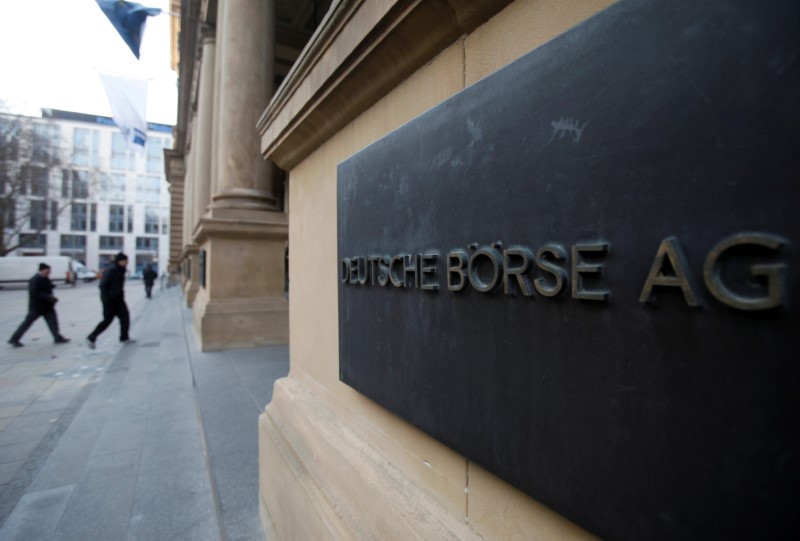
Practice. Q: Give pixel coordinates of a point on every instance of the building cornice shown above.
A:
(174, 166)
(360, 51)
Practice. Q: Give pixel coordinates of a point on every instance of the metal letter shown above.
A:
(354, 270)
(775, 273)
(427, 269)
(682, 277)
(383, 269)
(518, 271)
(345, 270)
(579, 268)
(496, 261)
(411, 266)
(456, 260)
(362, 263)
(373, 264)
(559, 254)
(398, 280)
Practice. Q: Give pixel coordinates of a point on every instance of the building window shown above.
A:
(45, 142)
(155, 155)
(130, 218)
(111, 242)
(105, 261)
(11, 129)
(78, 222)
(11, 215)
(38, 215)
(147, 244)
(93, 217)
(119, 152)
(74, 246)
(81, 146)
(33, 241)
(142, 260)
(113, 187)
(116, 218)
(66, 177)
(80, 185)
(86, 147)
(165, 221)
(40, 181)
(151, 220)
(54, 212)
(148, 190)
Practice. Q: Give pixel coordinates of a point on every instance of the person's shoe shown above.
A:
(90, 343)
(128, 341)
(62, 340)
(16, 343)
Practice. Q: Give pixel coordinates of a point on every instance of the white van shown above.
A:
(16, 270)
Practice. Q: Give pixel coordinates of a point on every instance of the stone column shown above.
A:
(205, 117)
(241, 230)
(247, 41)
(188, 191)
(174, 167)
(190, 215)
(215, 101)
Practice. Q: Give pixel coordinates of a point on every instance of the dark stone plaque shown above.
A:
(591, 271)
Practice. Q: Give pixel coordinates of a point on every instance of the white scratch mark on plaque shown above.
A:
(567, 126)
(475, 131)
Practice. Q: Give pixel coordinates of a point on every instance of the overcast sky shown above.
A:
(51, 51)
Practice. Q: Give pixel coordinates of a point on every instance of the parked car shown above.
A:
(82, 273)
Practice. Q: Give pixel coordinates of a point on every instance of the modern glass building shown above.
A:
(88, 196)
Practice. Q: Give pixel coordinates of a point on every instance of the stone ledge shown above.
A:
(242, 224)
(333, 483)
(341, 74)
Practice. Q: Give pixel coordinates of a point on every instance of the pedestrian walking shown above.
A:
(41, 303)
(112, 295)
(149, 277)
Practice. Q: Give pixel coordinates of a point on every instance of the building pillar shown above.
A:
(205, 117)
(246, 84)
(175, 175)
(242, 237)
(189, 221)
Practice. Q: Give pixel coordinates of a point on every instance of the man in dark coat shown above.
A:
(112, 294)
(41, 303)
(149, 277)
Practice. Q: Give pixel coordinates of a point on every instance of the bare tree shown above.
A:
(34, 179)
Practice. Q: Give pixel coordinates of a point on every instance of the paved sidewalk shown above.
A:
(160, 444)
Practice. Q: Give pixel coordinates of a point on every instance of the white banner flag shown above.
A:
(128, 100)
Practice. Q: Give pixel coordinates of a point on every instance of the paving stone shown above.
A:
(8, 470)
(24, 433)
(100, 504)
(17, 451)
(66, 464)
(36, 515)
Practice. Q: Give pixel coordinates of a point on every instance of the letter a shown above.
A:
(682, 277)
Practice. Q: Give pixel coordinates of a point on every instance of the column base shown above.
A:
(244, 199)
(242, 302)
(190, 285)
(240, 323)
